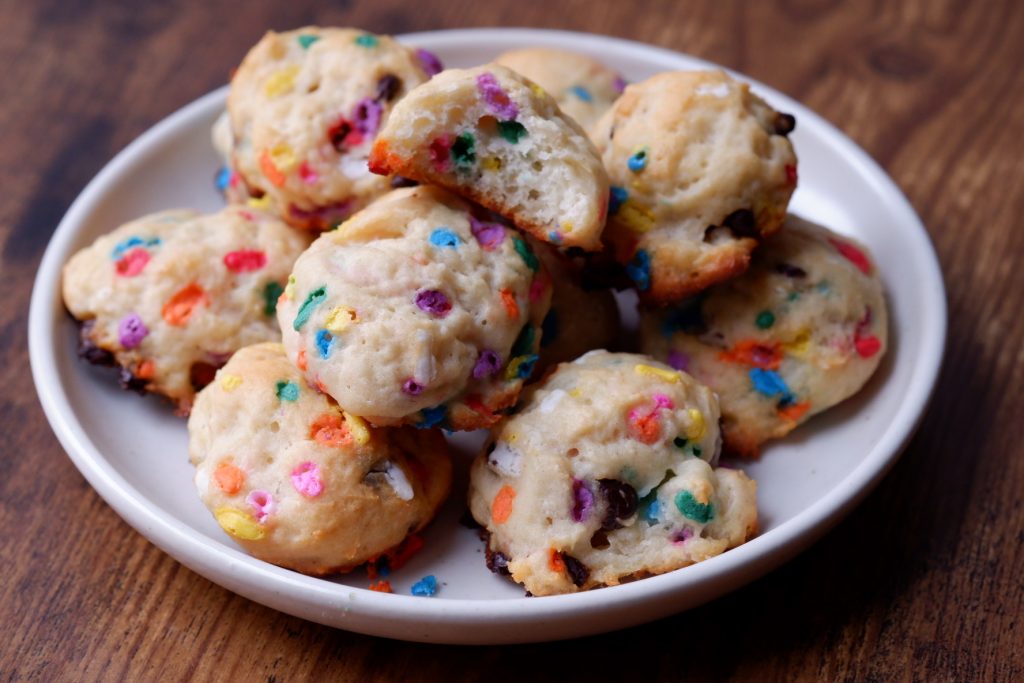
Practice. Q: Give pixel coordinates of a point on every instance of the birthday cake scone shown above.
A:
(493, 136)
(304, 108)
(170, 296)
(300, 483)
(606, 473)
(583, 87)
(701, 169)
(801, 330)
(416, 311)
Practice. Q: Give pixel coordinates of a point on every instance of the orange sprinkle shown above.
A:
(229, 478)
(555, 561)
(179, 308)
(330, 430)
(795, 411)
(511, 307)
(301, 360)
(754, 353)
(320, 386)
(501, 507)
(146, 369)
(645, 428)
(270, 170)
(382, 586)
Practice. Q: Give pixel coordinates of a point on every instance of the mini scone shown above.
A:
(170, 296)
(580, 320)
(605, 474)
(416, 311)
(493, 136)
(304, 108)
(227, 181)
(583, 87)
(701, 169)
(298, 482)
(801, 330)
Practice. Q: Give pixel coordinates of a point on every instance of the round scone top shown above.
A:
(498, 138)
(583, 87)
(304, 108)
(170, 296)
(605, 474)
(801, 330)
(300, 483)
(701, 169)
(416, 311)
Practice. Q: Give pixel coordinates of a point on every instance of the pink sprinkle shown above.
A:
(429, 61)
(439, 151)
(497, 99)
(434, 302)
(683, 536)
(679, 360)
(412, 387)
(306, 479)
(307, 174)
(489, 235)
(663, 402)
(582, 500)
(263, 503)
(245, 260)
(132, 263)
(853, 255)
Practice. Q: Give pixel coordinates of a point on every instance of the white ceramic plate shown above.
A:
(134, 451)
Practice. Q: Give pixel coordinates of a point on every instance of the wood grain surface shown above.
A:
(922, 582)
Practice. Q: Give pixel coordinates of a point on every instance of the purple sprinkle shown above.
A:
(498, 101)
(679, 360)
(412, 387)
(620, 84)
(683, 536)
(489, 235)
(487, 363)
(582, 500)
(131, 330)
(429, 61)
(367, 116)
(433, 301)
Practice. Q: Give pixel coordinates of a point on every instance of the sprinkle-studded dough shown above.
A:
(801, 330)
(492, 135)
(583, 87)
(416, 311)
(701, 169)
(170, 296)
(606, 473)
(304, 108)
(300, 483)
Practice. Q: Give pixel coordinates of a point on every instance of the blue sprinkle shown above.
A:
(431, 417)
(324, 342)
(555, 237)
(582, 93)
(443, 237)
(615, 200)
(125, 245)
(638, 161)
(525, 368)
(223, 178)
(770, 383)
(639, 270)
(425, 587)
(653, 511)
(287, 391)
(549, 328)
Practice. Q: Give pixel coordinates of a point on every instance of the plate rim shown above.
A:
(358, 608)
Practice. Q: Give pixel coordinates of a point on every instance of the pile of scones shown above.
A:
(408, 250)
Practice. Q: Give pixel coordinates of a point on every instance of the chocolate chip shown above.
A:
(87, 349)
(401, 181)
(784, 124)
(338, 133)
(621, 500)
(496, 561)
(742, 223)
(789, 270)
(578, 571)
(599, 541)
(132, 383)
(388, 86)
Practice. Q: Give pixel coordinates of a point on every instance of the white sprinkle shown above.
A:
(504, 460)
(355, 167)
(396, 477)
(716, 90)
(551, 401)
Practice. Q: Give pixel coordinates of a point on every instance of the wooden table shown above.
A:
(922, 582)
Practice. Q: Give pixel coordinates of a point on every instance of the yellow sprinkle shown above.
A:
(491, 163)
(283, 157)
(667, 375)
(512, 370)
(537, 90)
(281, 81)
(799, 346)
(576, 393)
(567, 226)
(230, 382)
(635, 218)
(259, 202)
(357, 426)
(289, 289)
(512, 438)
(338, 319)
(697, 428)
(239, 524)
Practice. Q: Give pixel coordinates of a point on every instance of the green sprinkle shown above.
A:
(367, 40)
(307, 39)
(271, 293)
(513, 131)
(691, 509)
(312, 301)
(679, 442)
(287, 391)
(523, 249)
(793, 296)
(765, 319)
(696, 451)
(463, 153)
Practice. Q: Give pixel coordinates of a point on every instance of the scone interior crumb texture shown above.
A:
(501, 140)
(605, 474)
(300, 483)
